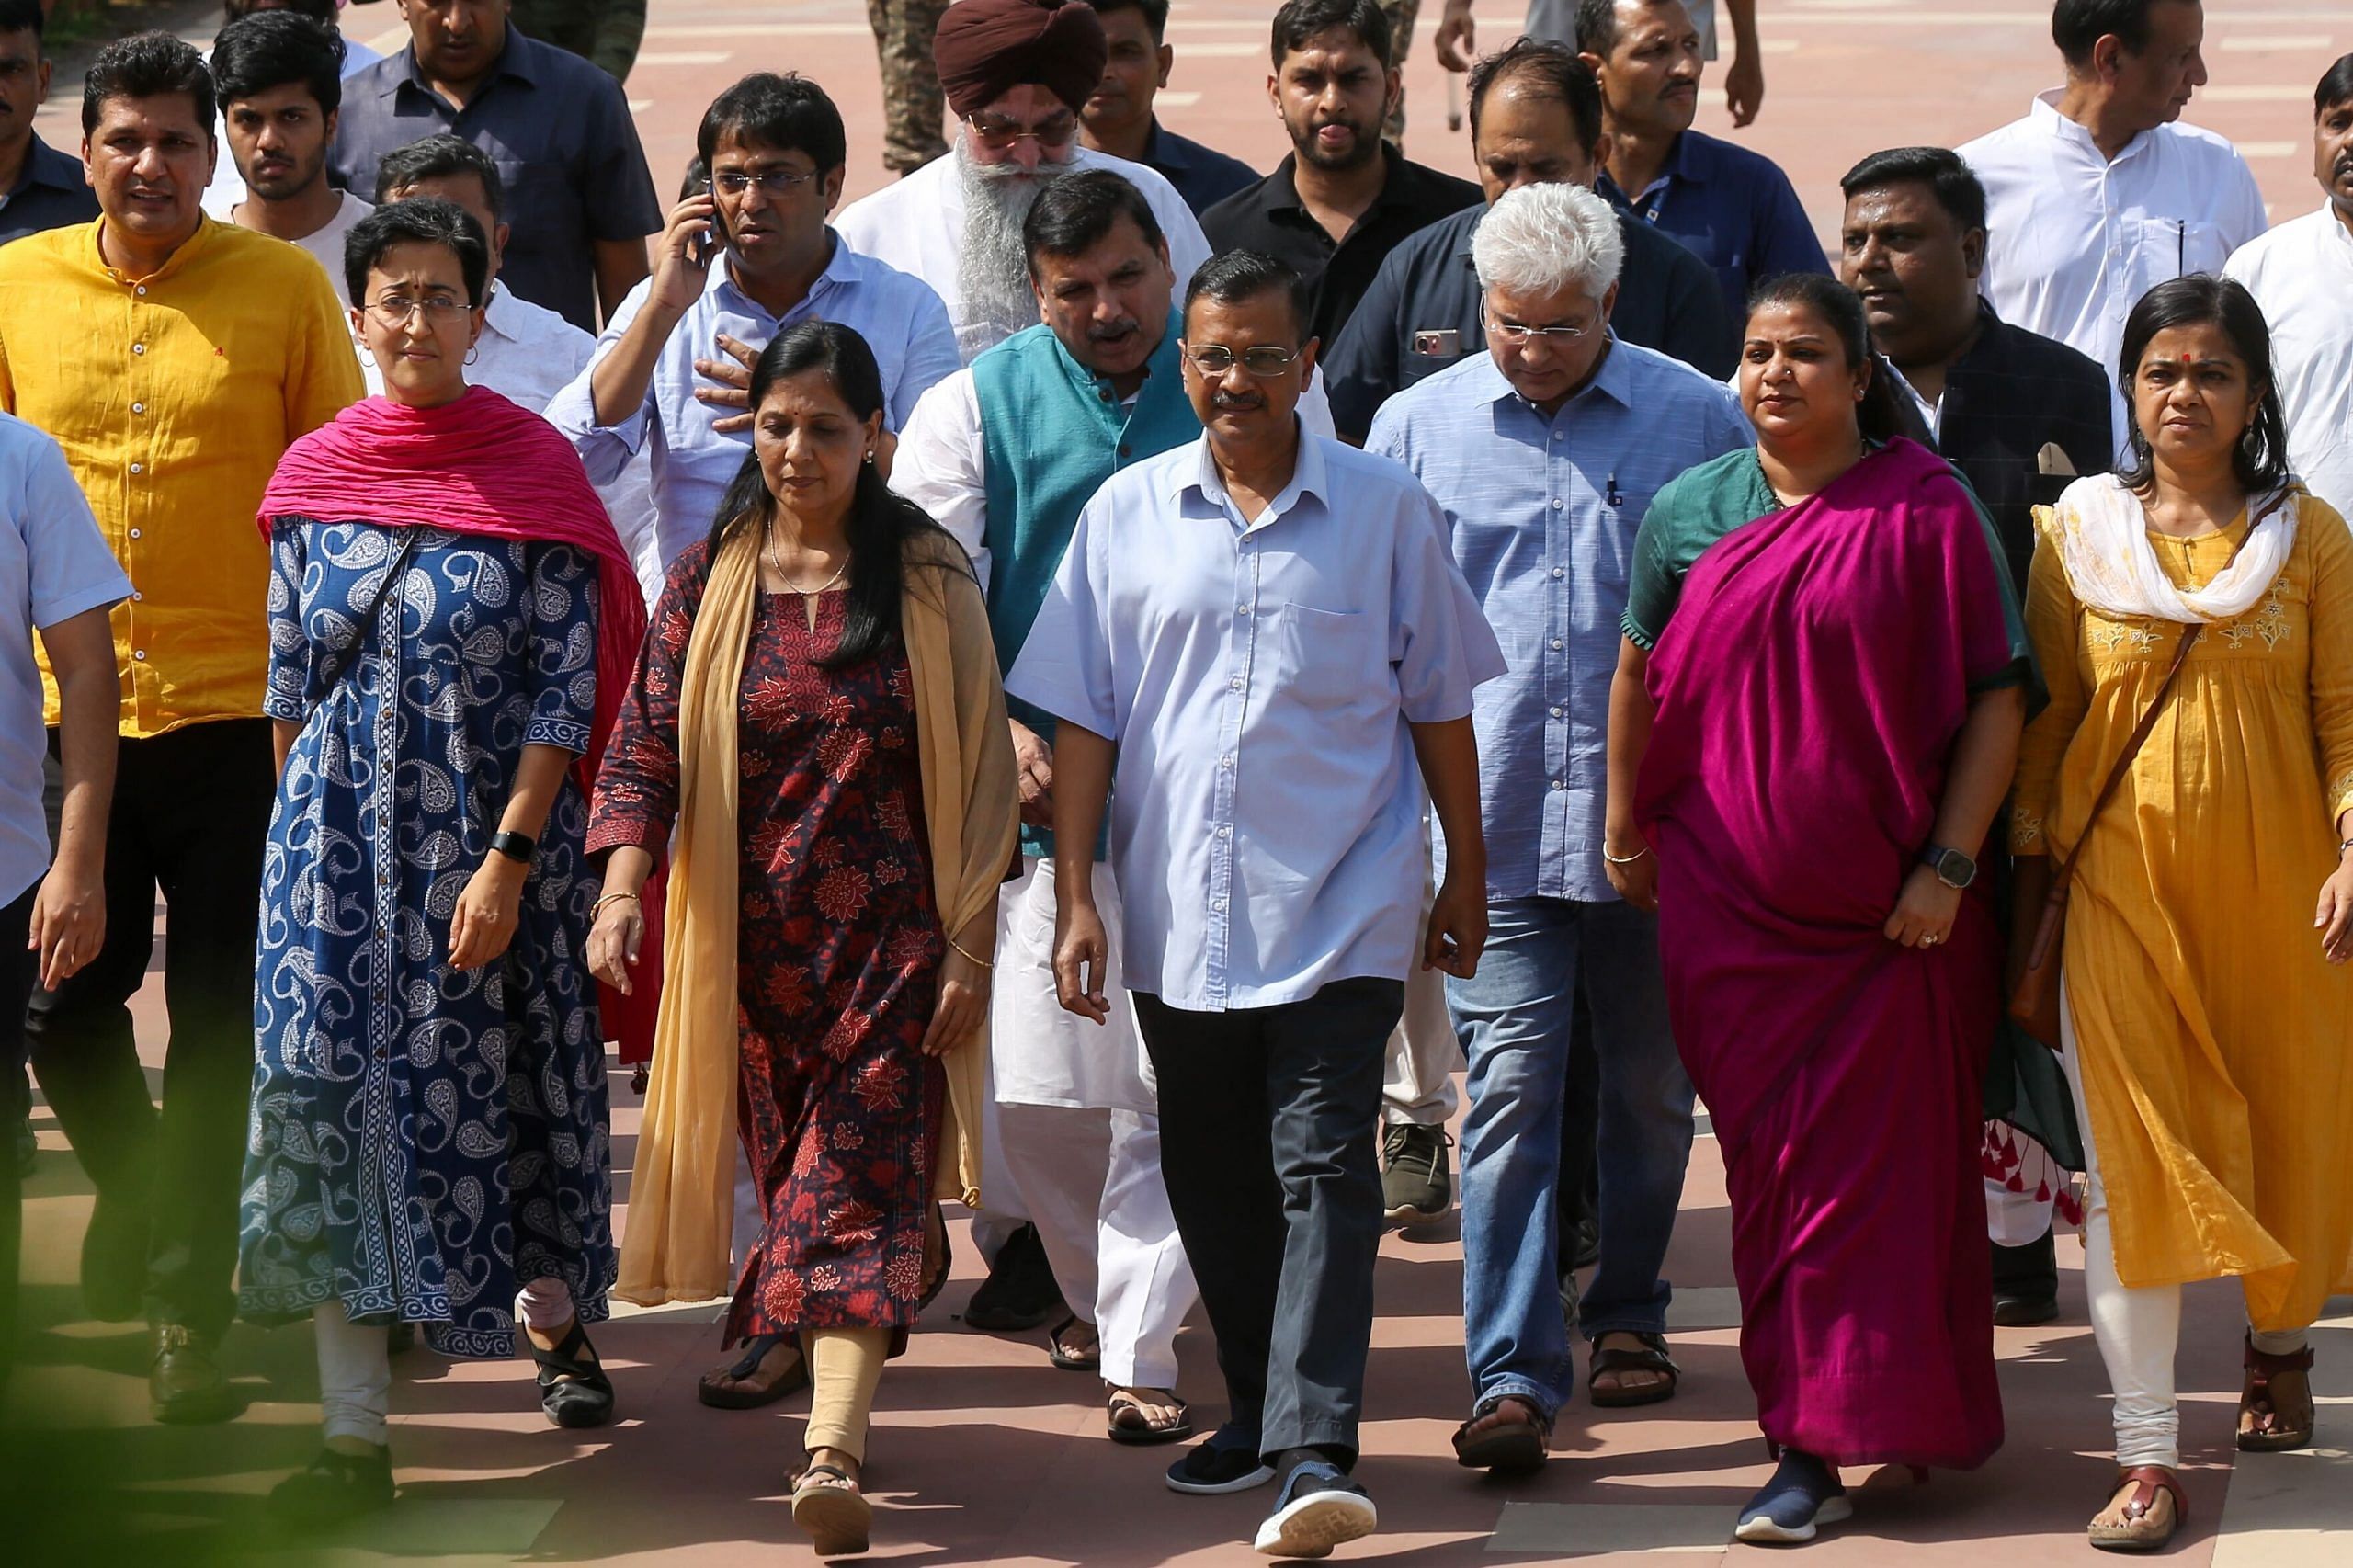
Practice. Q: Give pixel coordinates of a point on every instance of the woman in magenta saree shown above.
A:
(1813, 725)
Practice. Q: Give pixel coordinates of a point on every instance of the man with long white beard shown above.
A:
(1016, 74)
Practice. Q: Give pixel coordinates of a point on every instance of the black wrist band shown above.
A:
(513, 846)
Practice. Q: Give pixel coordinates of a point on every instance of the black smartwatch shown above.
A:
(515, 846)
(1952, 867)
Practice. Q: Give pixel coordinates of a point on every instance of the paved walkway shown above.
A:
(983, 1454)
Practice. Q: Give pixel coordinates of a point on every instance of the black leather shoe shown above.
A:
(1019, 1292)
(114, 1260)
(333, 1487)
(185, 1385)
(2024, 1312)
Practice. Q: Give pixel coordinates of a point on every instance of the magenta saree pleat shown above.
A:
(1810, 686)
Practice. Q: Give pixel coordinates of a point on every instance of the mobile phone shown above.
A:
(701, 247)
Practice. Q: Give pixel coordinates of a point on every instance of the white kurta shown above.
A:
(917, 225)
(2301, 274)
(2074, 238)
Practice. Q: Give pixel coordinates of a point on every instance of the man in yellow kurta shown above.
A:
(174, 359)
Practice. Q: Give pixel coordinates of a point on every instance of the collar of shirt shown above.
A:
(1397, 189)
(1691, 161)
(498, 315)
(1164, 150)
(517, 62)
(1613, 380)
(2073, 137)
(840, 272)
(1308, 477)
(1163, 361)
(44, 165)
(189, 250)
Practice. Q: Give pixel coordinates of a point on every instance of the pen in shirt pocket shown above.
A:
(1613, 498)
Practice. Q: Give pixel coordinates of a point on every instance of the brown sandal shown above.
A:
(2263, 1426)
(1651, 1357)
(831, 1511)
(2140, 1531)
(1514, 1446)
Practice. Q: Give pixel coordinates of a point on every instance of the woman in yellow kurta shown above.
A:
(2208, 1018)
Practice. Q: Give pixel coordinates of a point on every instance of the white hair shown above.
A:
(1541, 239)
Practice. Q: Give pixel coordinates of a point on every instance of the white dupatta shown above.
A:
(2102, 536)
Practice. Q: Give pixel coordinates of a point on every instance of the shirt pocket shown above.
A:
(1330, 658)
(2168, 248)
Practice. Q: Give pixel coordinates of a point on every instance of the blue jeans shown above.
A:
(1514, 1020)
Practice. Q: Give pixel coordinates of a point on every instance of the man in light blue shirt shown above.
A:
(776, 150)
(56, 575)
(1259, 634)
(1544, 452)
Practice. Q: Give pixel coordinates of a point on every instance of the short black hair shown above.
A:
(2076, 25)
(1300, 21)
(787, 113)
(151, 65)
(23, 16)
(1155, 13)
(1240, 275)
(1940, 169)
(1597, 24)
(1073, 214)
(317, 10)
(442, 156)
(2260, 459)
(2335, 86)
(421, 220)
(271, 49)
(1556, 66)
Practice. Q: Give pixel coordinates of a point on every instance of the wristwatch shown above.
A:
(515, 846)
(1952, 867)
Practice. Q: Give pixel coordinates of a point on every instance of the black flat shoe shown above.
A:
(333, 1487)
(1019, 1292)
(574, 1390)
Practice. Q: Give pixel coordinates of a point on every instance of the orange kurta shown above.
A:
(2216, 1043)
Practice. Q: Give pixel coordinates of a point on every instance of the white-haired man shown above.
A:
(1544, 451)
(1017, 73)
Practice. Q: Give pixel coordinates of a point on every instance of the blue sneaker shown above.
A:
(1319, 1508)
(1227, 1461)
(1802, 1495)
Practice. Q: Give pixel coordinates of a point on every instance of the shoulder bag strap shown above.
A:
(375, 606)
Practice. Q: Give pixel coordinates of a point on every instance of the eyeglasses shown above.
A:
(1262, 360)
(1517, 334)
(394, 310)
(1000, 135)
(772, 182)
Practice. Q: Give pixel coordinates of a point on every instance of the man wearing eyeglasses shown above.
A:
(1017, 73)
(1544, 452)
(1261, 633)
(739, 263)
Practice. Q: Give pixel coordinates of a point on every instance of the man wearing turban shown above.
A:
(1014, 73)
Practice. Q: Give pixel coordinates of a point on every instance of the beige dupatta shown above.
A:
(674, 1246)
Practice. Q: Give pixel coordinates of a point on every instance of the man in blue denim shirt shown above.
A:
(1544, 452)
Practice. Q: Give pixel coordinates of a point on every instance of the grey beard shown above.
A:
(993, 270)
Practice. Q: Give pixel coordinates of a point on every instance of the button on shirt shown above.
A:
(55, 565)
(173, 396)
(901, 319)
(2301, 274)
(50, 193)
(2073, 239)
(567, 153)
(1271, 219)
(1258, 680)
(1543, 515)
(1735, 209)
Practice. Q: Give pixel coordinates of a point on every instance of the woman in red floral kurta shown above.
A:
(839, 951)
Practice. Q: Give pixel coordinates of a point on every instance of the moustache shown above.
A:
(1239, 402)
(1111, 331)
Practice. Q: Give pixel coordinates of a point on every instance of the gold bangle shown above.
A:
(613, 898)
(1624, 859)
(970, 958)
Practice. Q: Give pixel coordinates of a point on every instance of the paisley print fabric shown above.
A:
(423, 1141)
(838, 950)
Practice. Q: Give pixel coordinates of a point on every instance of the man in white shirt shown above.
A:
(227, 188)
(2301, 274)
(2097, 195)
(278, 77)
(1015, 73)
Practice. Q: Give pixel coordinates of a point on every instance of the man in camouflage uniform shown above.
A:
(1401, 14)
(912, 105)
(603, 32)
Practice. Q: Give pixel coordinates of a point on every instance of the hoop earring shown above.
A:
(474, 354)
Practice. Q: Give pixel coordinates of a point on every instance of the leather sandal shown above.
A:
(1651, 1357)
(2140, 1531)
(831, 1511)
(2264, 1427)
(1125, 1418)
(1068, 1360)
(732, 1388)
(574, 1390)
(1510, 1447)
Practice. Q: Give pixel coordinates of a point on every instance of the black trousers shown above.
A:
(1267, 1120)
(191, 812)
(19, 970)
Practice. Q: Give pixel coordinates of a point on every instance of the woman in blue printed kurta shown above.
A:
(425, 1140)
